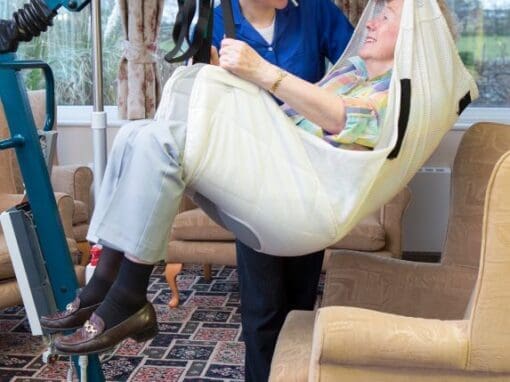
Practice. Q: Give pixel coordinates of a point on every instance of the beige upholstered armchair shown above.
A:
(9, 292)
(195, 238)
(74, 180)
(11, 193)
(386, 319)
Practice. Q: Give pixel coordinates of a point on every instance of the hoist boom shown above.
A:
(28, 22)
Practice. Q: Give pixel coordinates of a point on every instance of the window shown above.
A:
(67, 47)
(484, 46)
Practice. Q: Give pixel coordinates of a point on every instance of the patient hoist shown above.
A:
(47, 279)
(44, 269)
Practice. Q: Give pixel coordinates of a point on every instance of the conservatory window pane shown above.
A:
(166, 43)
(484, 46)
(67, 47)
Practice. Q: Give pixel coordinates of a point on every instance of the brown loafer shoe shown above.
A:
(93, 338)
(71, 318)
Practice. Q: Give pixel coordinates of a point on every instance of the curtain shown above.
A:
(139, 87)
(352, 9)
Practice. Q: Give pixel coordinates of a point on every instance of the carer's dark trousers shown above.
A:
(270, 287)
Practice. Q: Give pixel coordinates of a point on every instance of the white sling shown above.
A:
(294, 193)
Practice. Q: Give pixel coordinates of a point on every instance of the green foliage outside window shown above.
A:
(484, 46)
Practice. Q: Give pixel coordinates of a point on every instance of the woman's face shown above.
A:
(382, 33)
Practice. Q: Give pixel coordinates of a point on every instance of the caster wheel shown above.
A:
(49, 357)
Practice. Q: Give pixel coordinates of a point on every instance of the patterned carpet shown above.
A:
(199, 341)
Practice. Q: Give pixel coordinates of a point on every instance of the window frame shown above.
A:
(80, 116)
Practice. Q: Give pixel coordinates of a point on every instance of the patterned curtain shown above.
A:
(352, 9)
(139, 87)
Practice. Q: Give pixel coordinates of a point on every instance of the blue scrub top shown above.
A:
(304, 36)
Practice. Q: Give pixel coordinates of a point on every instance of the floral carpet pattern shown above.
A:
(198, 341)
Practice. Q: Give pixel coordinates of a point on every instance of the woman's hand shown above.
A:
(242, 60)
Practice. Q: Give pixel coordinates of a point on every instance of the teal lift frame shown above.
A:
(25, 141)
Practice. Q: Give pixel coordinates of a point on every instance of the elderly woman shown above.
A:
(144, 182)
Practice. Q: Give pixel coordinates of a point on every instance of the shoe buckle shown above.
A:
(69, 307)
(90, 328)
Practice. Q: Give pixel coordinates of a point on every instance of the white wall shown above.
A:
(75, 136)
(75, 144)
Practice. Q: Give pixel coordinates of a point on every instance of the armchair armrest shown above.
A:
(429, 290)
(391, 219)
(9, 200)
(74, 180)
(353, 336)
(65, 206)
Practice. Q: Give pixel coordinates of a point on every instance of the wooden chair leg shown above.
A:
(208, 272)
(84, 248)
(171, 272)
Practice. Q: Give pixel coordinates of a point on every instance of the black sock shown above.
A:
(128, 293)
(102, 279)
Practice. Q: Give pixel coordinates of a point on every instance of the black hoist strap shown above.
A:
(187, 9)
(200, 47)
(228, 19)
(403, 118)
(181, 28)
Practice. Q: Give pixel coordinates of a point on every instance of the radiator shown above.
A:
(426, 218)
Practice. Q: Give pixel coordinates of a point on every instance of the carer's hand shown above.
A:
(242, 60)
(215, 58)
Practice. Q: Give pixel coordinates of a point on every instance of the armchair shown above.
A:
(73, 180)
(11, 193)
(386, 319)
(9, 292)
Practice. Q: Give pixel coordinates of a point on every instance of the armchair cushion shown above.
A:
(9, 293)
(81, 212)
(65, 207)
(219, 252)
(354, 336)
(195, 225)
(6, 269)
(9, 200)
(368, 235)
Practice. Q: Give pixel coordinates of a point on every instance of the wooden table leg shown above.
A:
(84, 248)
(171, 272)
(208, 272)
